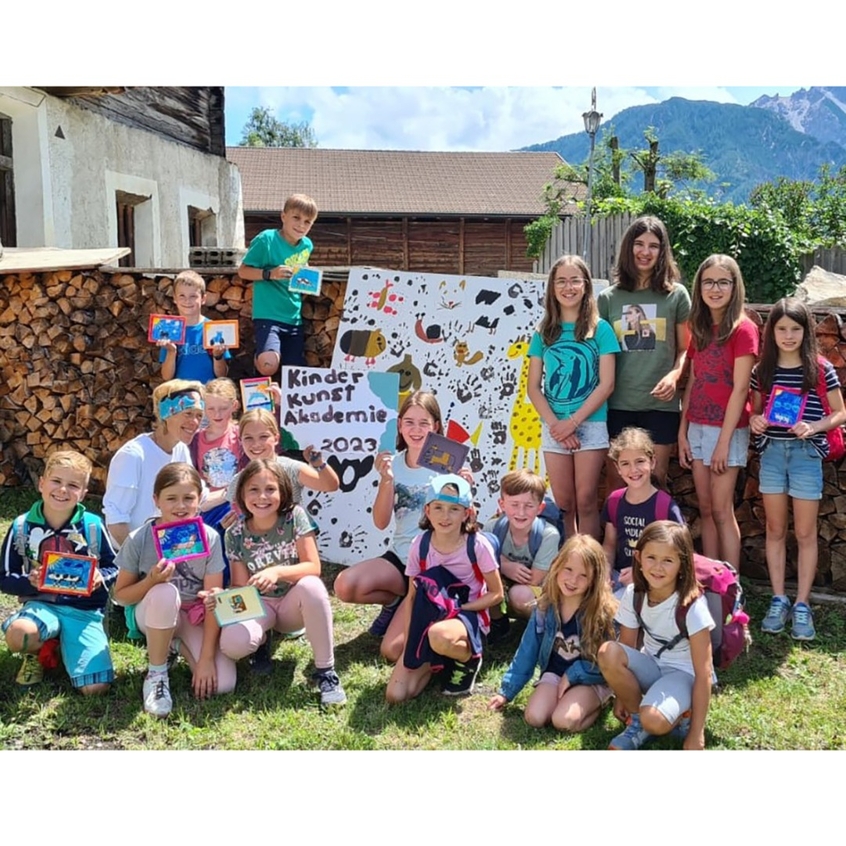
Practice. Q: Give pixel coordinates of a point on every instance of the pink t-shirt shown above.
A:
(217, 461)
(713, 372)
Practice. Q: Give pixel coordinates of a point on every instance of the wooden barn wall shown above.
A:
(192, 116)
(443, 245)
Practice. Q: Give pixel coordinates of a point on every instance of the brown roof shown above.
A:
(380, 182)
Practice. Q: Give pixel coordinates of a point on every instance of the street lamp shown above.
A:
(591, 119)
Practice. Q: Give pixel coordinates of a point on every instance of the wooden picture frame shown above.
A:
(181, 540)
(255, 393)
(237, 605)
(68, 574)
(226, 332)
(166, 327)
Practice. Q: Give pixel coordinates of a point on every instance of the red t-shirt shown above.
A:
(713, 376)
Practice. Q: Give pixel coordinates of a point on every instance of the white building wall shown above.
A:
(65, 186)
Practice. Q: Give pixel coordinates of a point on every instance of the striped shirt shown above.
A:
(791, 377)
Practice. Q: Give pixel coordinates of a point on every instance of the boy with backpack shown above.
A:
(71, 622)
(529, 540)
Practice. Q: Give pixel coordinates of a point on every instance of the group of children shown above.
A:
(443, 578)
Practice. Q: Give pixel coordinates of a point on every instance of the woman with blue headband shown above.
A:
(128, 501)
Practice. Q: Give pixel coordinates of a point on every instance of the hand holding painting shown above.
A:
(384, 466)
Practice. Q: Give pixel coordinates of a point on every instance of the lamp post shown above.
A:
(591, 119)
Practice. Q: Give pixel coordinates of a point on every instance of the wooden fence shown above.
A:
(833, 260)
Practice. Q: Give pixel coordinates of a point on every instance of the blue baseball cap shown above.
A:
(462, 486)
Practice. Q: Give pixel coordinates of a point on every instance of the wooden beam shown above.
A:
(508, 244)
(405, 262)
(461, 246)
(349, 241)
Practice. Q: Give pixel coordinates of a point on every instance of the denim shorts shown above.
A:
(668, 691)
(285, 340)
(703, 442)
(591, 434)
(791, 466)
(82, 640)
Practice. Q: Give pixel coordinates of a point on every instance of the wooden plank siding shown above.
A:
(455, 245)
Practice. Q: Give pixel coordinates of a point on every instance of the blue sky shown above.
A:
(478, 118)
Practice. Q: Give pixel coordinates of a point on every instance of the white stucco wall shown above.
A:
(65, 187)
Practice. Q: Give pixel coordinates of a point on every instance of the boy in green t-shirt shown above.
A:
(272, 258)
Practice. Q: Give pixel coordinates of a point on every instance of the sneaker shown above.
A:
(31, 671)
(156, 693)
(329, 685)
(380, 625)
(777, 616)
(463, 677)
(803, 623)
(260, 661)
(681, 729)
(499, 630)
(293, 635)
(632, 737)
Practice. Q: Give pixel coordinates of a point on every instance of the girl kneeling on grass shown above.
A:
(453, 581)
(168, 597)
(273, 547)
(666, 686)
(574, 615)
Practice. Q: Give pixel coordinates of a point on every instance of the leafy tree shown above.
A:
(264, 129)
(663, 174)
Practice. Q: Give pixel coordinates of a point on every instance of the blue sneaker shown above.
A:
(380, 625)
(632, 737)
(776, 618)
(803, 623)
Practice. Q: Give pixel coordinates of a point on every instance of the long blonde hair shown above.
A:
(598, 605)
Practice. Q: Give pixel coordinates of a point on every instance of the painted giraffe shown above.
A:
(525, 424)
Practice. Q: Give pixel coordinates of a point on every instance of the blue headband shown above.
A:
(168, 406)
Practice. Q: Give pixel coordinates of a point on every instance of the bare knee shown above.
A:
(267, 363)
(534, 718)
(20, 638)
(521, 599)
(567, 721)
(94, 689)
(653, 721)
(610, 655)
(391, 651)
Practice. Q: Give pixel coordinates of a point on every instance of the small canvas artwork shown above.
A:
(225, 332)
(255, 393)
(785, 407)
(166, 327)
(442, 454)
(181, 540)
(237, 605)
(62, 572)
(306, 280)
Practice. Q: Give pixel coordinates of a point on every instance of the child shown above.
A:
(523, 569)
(272, 258)
(667, 684)
(714, 428)
(260, 436)
(168, 596)
(128, 501)
(571, 375)
(190, 359)
(629, 510)
(58, 522)
(449, 531)
(401, 494)
(574, 615)
(273, 547)
(646, 291)
(791, 456)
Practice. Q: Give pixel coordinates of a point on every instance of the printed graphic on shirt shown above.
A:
(567, 648)
(573, 372)
(219, 467)
(640, 327)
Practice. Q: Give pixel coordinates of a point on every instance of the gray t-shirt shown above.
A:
(522, 554)
(138, 555)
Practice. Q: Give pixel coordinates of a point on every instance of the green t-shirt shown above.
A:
(645, 325)
(271, 299)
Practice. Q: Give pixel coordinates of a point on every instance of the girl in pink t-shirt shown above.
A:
(714, 430)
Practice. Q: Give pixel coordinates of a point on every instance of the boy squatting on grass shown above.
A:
(191, 360)
(271, 260)
(59, 522)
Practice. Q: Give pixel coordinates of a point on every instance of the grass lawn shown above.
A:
(782, 695)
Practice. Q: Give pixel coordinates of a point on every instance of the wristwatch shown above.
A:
(265, 274)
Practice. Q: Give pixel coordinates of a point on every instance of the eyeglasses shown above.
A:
(721, 284)
(569, 283)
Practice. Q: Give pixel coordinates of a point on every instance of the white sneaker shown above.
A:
(156, 693)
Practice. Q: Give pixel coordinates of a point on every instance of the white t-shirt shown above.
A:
(660, 622)
(410, 488)
(132, 475)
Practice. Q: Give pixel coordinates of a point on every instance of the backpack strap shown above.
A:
(424, 548)
(681, 613)
(822, 388)
(92, 535)
(662, 505)
(613, 505)
(19, 535)
(500, 530)
(536, 536)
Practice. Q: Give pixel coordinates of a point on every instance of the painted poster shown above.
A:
(462, 337)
